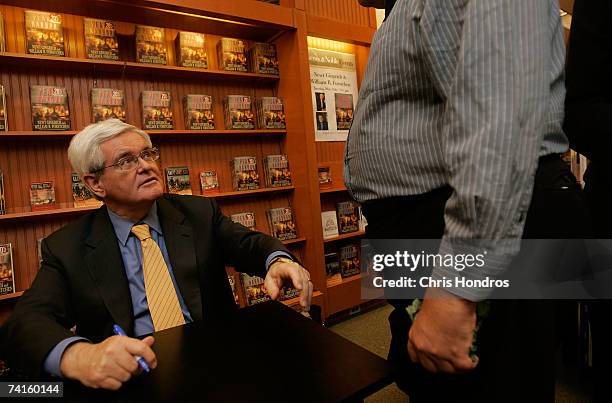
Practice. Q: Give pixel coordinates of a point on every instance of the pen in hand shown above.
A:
(141, 361)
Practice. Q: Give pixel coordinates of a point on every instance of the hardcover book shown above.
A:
(199, 113)
(151, 45)
(282, 223)
(325, 178)
(264, 59)
(157, 110)
(244, 173)
(349, 260)
(44, 33)
(348, 217)
(39, 250)
(7, 276)
(209, 182)
(42, 196)
(107, 103)
(244, 219)
(100, 39)
(81, 194)
(232, 55)
(270, 113)
(254, 290)
(178, 180)
(2, 40)
(49, 108)
(287, 293)
(344, 111)
(330, 224)
(232, 282)
(332, 269)
(2, 197)
(3, 123)
(276, 171)
(238, 113)
(191, 50)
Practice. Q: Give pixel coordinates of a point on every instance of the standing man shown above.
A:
(144, 260)
(459, 116)
(588, 124)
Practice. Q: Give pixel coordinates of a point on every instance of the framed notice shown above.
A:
(333, 82)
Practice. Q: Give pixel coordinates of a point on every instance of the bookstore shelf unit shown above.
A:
(27, 156)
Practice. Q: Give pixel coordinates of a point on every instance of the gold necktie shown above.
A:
(161, 294)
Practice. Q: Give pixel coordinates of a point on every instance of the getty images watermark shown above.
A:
(509, 269)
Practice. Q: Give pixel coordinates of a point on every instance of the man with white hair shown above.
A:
(146, 261)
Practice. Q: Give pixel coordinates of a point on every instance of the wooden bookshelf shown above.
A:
(334, 190)
(295, 241)
(247, 193)
(30, 215)
(345, 236)
(11, 296)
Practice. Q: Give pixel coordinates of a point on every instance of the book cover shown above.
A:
(276, 171)
(325, 178)
(178, 181)
(209, 182)
(107, 103)
(232, 283)
(3, 123)
(2, 39)
(2, 197)
(42, 196)
(100, 39)
(348, 217)
(332, 269)
(191, 50)
(349, 260)
(49, 108)
(157, 110)
(282, 223)
(238, 113)
(199, 113)
(270, 113)
(344, 111)
(264, 59)
(7, 275)
(245, 219)
(254, 289)
(232, 55)
(244, 173)
(287, 293)
(151, 45)
(44, 33)
(81, 195)
(330, 224)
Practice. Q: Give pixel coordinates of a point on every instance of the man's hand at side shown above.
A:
(284, 271)
(107, 364)
(441, 335)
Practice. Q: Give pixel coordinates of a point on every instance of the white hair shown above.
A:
(84, 151)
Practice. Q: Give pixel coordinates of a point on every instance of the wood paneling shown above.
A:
(345, 11)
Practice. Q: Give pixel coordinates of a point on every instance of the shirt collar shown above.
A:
(123, 226)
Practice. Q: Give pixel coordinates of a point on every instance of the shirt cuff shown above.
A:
(276, 254)
(52, 362)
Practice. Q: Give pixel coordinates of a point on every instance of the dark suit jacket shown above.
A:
(588, 105)
(82, 279)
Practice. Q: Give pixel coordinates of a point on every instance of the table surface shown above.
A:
(264, 353)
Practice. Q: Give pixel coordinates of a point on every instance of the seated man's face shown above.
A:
(133, 187)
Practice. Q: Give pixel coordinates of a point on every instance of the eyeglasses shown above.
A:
(130, 162)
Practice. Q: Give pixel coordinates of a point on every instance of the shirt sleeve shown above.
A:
(274, 255)
(495, 87)
(52, 362)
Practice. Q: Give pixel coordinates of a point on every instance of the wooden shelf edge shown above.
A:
(11, 296)
(332, 190)
(345, 236)
(292, 241)
(161, 133)
(346, 280)
(45, 213)
(226, 195)
(330, 29)
(295, 301)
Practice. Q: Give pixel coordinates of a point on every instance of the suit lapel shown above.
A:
(179, 239)
(105, 265)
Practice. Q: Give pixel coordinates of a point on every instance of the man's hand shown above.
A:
(284, 271)
(107, 364)
(441, 335)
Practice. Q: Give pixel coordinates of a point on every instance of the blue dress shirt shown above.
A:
(131, 254)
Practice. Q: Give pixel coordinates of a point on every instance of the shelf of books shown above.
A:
(224, 90)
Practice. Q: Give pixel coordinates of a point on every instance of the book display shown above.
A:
(208, 93)
(244, 219)
(7, 277)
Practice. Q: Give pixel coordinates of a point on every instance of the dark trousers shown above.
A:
(517, 342)
(598, 191)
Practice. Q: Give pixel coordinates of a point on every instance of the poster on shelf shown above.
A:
(333, 83)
